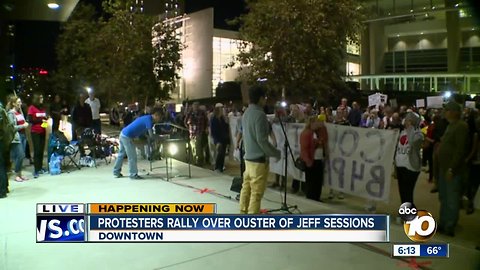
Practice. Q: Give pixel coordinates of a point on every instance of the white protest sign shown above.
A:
(360, 161)
(234, 122)
(420, 103)
(470, 104)
(373, 100)
(435, 102)
(377, 99)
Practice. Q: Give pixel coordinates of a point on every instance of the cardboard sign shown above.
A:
(420, 103)
(435, 102)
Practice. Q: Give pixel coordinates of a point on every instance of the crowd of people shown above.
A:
(444, 142)
(30, 126)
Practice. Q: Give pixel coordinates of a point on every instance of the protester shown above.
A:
(115, 116)
(197, 123)
(341, 116)
(137, 128)
(473, 161)
(37, 117)
(374, 121)
(221, 136)
(57, 110)
(314, 145)
(407, 157)
(451, 160)
(440, 127)
(81, 117)
(17, 147)
(5, 143)
(355, 115)
(257, 151)
(95, 106)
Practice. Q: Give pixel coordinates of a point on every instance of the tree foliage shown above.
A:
(114, 54)
(298, 45)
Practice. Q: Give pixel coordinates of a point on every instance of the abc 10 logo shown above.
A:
(419, 225)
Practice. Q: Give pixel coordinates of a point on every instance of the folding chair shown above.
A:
(91, 141)
(58, 144)
(71, 151)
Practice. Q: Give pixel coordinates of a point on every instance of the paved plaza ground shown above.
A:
(18, 249)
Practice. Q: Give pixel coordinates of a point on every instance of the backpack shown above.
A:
(8, 129)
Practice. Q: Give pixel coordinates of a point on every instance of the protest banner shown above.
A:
(360, 160)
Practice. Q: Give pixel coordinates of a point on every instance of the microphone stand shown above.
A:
(285, 207)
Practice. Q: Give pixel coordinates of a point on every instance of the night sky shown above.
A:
(35, 40)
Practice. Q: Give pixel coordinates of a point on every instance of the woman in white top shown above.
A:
(407, 156)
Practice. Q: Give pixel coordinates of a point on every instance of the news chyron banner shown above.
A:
(176, 223)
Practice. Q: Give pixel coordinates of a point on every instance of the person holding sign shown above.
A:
(407, 157)
(37, 117)
(313, 147)
(257, 152)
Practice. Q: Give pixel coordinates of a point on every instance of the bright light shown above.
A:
(456, 5)
(421, 33)
(53, 5)
(472, 96)
(89, 89)
(136, 103)
(121, 103)
(283, 104)
(11, 66)
(172, 149)
(398, 35)
(447, 94)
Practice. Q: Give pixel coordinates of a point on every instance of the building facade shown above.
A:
(419, 45)
(205, 57)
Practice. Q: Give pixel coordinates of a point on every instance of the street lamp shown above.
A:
(53, 5)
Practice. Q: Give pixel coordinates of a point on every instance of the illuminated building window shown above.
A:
(352, 69)
(353, 47)
(224, 52)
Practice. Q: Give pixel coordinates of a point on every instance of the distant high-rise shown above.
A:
(172, 8)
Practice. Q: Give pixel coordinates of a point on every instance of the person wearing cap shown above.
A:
(220, 135)
(257, 152)
(407, 157)
(452, 153)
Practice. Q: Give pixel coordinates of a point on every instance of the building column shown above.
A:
(365, 55)
(453, 36)
(378, 47)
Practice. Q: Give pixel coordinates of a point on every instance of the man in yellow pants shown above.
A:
(258, 149)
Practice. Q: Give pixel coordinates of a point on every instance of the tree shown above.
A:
(74, 51)
(116, 55)
(298, 45)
